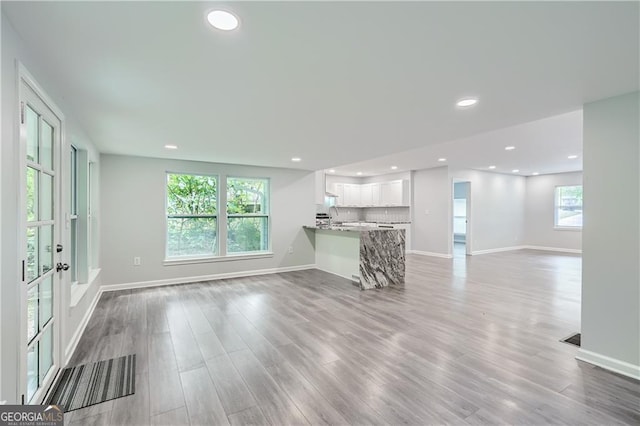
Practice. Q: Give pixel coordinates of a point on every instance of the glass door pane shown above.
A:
(40, 235)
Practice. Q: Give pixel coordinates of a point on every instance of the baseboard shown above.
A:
(608, 363)
(213, 277)
(429, 253)
(559, 249)
(496, 250)
(73, 343)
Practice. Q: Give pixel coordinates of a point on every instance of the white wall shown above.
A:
(431, 232)
(133, 219)
(497, 209)
(539, 213)
(611, 234)
(13, 49)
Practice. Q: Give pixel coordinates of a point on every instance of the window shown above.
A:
(568, 206)
(192, 207)
(73, 213)
(247, 215)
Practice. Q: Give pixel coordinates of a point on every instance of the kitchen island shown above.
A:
(372, 257)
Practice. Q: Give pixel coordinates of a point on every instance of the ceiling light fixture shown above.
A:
(492, 167)
(509, 148)
(332, 171)
(515, 170)
(359, 173)
(467, 102)
(296, 159)
(572, 157)
(535, 173)
(223, 20)
(394, 167)
(442, 160)
(171, 146)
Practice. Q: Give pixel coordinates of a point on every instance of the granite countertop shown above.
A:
(349, 228)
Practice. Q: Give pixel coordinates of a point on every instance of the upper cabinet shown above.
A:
(391, 193)
(320, 186)
(379, 194)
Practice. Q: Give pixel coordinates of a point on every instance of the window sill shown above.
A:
(78, 290)
(213, 259)
(568, 228)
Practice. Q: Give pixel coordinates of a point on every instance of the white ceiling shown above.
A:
(541, 146)
(334, 83)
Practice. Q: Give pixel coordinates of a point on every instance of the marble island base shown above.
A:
(373, 257)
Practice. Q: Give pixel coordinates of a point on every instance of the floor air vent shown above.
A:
(574, 339)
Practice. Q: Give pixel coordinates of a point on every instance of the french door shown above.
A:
(40, 151)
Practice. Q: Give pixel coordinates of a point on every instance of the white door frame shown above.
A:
(468, 239)
(27, 88)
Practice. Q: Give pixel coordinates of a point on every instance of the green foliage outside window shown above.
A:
(247, 210)
(191, 215)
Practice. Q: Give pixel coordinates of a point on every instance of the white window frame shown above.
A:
(191, 258)
(267, 214)
(222, 255)
(557, 205)
(73, 215)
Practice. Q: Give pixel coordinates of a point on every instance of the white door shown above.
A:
(40, 143)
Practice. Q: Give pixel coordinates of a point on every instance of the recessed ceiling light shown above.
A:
(359, 173)
(509, 148)
(467, 102)
(535, 173)
(171, 146)
(296, 159)
(394, 167)
(572, 157)
(332, 171)
(442, 160)
(515, 170)
(492, 167)
(222, 20)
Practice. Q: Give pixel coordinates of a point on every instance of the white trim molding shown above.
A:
(608, 363)
(75, 339)
(213, 277)
(430, 253)
(558, 249)
(497, 250)
(541, 248)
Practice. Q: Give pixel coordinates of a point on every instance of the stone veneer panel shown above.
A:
(382, 258)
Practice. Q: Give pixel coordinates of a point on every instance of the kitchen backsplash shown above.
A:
(390, 214)
(372, 214)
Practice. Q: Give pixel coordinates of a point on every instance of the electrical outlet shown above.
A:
(136, 261)
(290, 250)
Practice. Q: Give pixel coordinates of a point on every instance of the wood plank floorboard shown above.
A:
(469, 341)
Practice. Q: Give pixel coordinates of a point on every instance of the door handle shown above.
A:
(62, 267)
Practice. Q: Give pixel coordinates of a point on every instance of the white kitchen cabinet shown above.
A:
(352, 194)
(366, 195)
(320, 187)
(338, 190)
(375, 194)
(391, 193)
(380, 194)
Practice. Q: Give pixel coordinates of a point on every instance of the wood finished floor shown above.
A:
(466, 341)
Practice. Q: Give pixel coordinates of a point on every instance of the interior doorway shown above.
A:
(461, 218)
